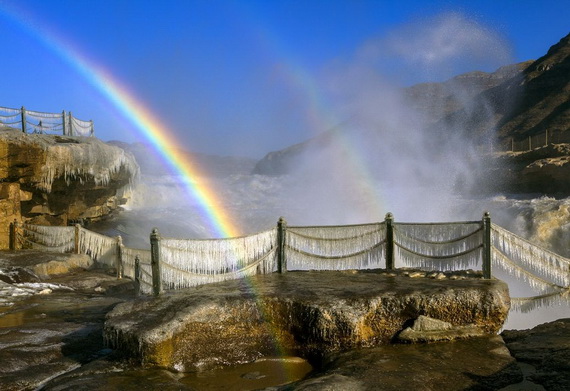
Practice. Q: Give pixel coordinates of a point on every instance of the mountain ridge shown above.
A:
(525, 99)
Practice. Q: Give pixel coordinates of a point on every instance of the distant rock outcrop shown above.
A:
(512, 104)
(50, 179)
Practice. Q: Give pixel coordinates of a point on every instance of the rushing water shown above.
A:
(257, 202)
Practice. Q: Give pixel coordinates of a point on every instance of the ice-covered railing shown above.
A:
(45, 238)
(545, 271)
(335, 247)
(439, 246)
(104, 250)
(182, 263)
(39, 122)
(187, 262)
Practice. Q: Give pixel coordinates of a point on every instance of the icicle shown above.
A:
(192, 262)
(458, 261)
(528, 304)
(101, 248)
(335, 247)
(73, 161)
(440, 246)
(47, 238)
(129, 255)
(529, 256)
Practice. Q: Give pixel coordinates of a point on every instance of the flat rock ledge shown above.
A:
(307, 314)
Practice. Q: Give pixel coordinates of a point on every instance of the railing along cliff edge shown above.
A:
(39, 122)
(172, 264)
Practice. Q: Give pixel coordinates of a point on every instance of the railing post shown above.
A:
(77, 247)
(14, 235)
(529, 144)
(63, 122)
(137, 275)
(486, 245)
(389, 219)
(23, 113)
(281, 260)
(119, 257)
(155, 262)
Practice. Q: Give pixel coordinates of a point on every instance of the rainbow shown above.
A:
(142, 118)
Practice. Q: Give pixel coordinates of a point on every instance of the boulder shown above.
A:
(546, 348)
(426, 329)
(306, 314)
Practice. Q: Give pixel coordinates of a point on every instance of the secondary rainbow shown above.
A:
(142, 118)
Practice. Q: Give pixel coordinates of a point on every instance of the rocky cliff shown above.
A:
(514, 104)
(49, 179)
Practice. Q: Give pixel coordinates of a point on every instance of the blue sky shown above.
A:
(248, 77)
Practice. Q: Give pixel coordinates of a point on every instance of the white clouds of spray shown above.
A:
(436, 49)
(396, 153)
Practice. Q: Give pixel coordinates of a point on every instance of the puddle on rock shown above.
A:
(266, 372)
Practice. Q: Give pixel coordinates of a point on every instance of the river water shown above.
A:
(257, 201)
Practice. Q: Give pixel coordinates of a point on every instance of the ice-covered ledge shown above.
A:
(50, 179)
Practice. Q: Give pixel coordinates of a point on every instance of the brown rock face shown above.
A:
(546, 348)
(49, 180)
(308, 314)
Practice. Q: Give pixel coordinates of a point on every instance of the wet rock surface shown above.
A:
(53, 324)
(42, 265)
(54, 341)
(308, 314)
(481, 363)
(546, 349)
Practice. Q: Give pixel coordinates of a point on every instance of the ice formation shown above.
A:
(335, 247)
(440, 246)
(523, 255)
(54, 239)
(101, 248)
(186, 262)
(87, 160)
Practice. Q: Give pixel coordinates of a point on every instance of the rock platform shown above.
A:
(306, 314)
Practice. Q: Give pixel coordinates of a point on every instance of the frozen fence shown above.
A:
(336, 247)
(185, 263)
(536, 141)
(38, 122)
(53, 239)
(544, 271)
(172, 264)
(440, 246)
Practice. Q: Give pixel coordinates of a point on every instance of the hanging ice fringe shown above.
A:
(187, 263)
(525, 255)
(528, 304)
(128, 257)
(73, 161)
(101, 248)
(335, 247)
(46, 238)
(440, 246)
(537, 283)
